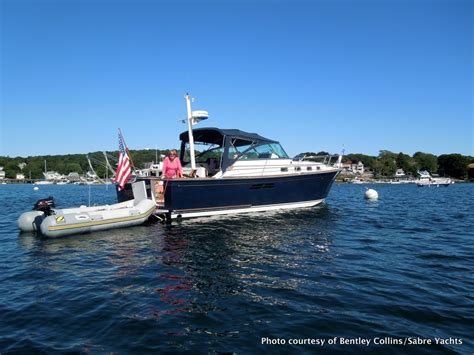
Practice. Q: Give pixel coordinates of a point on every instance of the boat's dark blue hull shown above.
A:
(194, 195)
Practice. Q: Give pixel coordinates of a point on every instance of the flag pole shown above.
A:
(127, 150)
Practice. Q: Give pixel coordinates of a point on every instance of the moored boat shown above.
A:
(52, 222)
(93, 219)
(427, 180)
(236, 172)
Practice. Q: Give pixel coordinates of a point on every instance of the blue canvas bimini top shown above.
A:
(212, 135)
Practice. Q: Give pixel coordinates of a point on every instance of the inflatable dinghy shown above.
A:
(60, 222)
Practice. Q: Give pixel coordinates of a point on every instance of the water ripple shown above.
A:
(397, 267)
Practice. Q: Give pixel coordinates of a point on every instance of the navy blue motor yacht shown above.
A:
(235, 172)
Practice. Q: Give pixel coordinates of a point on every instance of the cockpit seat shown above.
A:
(212, 166)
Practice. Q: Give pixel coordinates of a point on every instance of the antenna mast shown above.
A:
(190, 132)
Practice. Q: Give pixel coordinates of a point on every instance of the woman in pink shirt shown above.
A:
(172, 166)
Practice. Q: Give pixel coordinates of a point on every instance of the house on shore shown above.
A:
(400, 173)
(354, 168)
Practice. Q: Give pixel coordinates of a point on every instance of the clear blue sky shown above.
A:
(316, 75)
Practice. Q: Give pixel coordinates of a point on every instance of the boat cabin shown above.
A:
(219, 149)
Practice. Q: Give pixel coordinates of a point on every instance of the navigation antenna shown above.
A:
(193, 118)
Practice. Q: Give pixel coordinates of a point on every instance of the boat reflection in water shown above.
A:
(237, 172)
(205, 264)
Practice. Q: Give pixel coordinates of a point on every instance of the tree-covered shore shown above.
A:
(33, 166)
(387, 163)
(383, 165)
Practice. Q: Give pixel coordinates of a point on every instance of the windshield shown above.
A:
(203, 153)
(262, 151)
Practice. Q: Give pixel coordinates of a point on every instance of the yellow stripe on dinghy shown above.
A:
(102, 222)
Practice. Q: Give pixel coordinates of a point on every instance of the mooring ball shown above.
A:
(371, 194)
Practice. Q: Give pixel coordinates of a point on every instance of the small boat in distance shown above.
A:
(235, 172)
(357, 180)
(427, 180)
(49, 176)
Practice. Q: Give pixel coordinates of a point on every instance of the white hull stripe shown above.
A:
(185, 214)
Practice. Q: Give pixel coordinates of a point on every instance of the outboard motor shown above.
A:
(45, 205)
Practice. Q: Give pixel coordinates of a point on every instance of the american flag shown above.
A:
(123, 169)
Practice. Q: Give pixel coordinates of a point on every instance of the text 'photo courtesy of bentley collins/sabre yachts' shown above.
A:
(231, 171)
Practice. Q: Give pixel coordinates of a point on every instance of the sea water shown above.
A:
(392, 275)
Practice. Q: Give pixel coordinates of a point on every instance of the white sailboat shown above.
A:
(49, 176)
